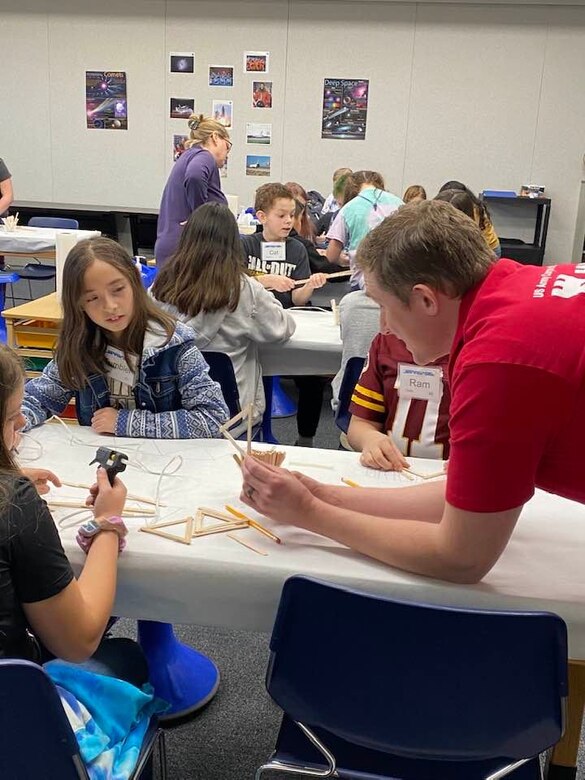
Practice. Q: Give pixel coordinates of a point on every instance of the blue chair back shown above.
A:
(54, 222)
(351, 374)
(415, 680)
(36, 739)
(221, 370)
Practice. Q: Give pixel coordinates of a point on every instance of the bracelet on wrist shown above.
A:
(88, 531)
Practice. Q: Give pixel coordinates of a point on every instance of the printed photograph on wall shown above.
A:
(182, 62)
(222, 112)
(182, 108)
(221, 76)
(262, 94)
(106, 104)
(258, 133)
(179, 145)
(256, 61)
(257, 165)
(345, 109)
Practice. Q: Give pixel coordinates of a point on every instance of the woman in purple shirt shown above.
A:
(194, 180)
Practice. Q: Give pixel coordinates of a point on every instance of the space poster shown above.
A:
(345, 109)
(106, 105)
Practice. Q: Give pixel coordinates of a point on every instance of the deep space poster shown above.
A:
(345, 109)
(106, 104)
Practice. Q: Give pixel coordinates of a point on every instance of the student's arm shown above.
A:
(302, 295)
(462, 547)
(44, 396)
(69, 616)
(333, 251)
(202, 410)
(6, 194)
(269, 322)
(377, 447)
(338, 237)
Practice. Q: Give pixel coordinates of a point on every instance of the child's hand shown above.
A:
(104, 420)
(40, 478)
(316, 281)
(380, 452)
(276, 282)
(105, 499)
(343, 259)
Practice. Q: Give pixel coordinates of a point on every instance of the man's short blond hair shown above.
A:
(428, 243)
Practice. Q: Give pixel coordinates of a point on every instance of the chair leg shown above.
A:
(30, 294)
(305, 771)
(162, 755)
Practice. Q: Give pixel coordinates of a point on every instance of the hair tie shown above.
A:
(194, 123)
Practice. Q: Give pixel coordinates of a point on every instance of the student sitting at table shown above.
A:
(481, 215)
(277, 261)
(133, 370)
(205, 285)
(390, 419)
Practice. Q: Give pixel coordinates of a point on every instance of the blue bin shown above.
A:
(148, 272)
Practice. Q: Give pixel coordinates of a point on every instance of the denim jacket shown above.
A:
(174, 394)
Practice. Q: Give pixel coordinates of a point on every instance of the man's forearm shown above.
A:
(424, 502)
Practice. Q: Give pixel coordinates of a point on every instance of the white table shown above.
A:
(217, 582)
(313, 350)
(32, 241)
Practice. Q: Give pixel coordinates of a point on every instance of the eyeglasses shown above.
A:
(228, 143)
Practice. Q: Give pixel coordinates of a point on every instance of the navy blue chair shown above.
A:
(374, 688)
(221, 370)
(36, 739)
(64, 223)
(351, 374)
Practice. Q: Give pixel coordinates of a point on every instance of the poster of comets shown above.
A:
(345, 109)
(106, 104)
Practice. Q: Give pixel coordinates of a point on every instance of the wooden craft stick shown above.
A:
(336, 275)
(168, 523)
(232, 441)
(350, 482)
(246, 544)
(300, 464)
(408, 473)
(216, 529)
(249, 433)
(165, 535)
(129, 496)
(254, 524)
(129, 511)
(237, 459)
(426, 476)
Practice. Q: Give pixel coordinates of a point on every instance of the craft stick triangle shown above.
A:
(196, 526)
(156, 529)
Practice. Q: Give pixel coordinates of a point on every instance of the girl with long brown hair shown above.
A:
(205, 285)
(132, 369)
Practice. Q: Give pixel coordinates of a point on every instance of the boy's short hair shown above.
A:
(268, 194)
(428, 243)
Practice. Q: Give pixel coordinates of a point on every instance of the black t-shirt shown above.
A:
(295, 265)
(4, 172)
(33, 565)
(318, 262)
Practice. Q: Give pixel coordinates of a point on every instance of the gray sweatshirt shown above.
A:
(258, 319)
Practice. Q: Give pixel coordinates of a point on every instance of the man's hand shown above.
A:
(40, 479)
(104, 420)
(276, 282)
(277, 493)
(380, 452)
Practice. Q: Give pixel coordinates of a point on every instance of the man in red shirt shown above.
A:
(398, 409)
(516, 336)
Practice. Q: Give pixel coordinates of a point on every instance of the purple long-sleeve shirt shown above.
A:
(194, 180)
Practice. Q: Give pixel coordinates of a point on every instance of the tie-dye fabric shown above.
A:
(108, 716)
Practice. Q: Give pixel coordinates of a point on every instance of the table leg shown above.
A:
(10, 340)
(563, 765)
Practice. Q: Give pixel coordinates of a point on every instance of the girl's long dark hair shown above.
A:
(11, 378)
(81, 347)
(301, 197)
(205, 273)
(482, 210)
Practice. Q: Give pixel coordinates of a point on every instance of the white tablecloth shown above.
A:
(314, 349)
(32, 239)
(216, 581)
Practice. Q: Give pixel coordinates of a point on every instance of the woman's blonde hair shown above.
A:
(202, 128)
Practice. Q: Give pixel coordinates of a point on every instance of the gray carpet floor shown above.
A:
(236, 732)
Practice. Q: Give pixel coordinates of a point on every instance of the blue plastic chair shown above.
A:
(6, 278)
(36, 739)
(64, 223)
(351, 374)
(374, 688)
(221, 370)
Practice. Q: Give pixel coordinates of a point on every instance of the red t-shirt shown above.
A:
(419, 428)
(517, 380)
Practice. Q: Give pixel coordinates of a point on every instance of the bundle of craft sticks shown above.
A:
(272, 457)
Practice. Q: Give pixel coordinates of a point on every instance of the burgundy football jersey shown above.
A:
(419, 428)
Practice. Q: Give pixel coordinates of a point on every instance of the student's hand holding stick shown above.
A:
(276, 282)
(275, 492)
(316, 281)
(379, 452)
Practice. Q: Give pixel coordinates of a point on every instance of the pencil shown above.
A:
(350, 482)
(254, 524)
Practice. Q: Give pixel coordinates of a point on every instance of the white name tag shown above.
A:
(273, 250)
(420, 382)
(120, 370)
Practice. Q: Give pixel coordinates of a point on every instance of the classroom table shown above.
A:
(218, 582)
(34, 241)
